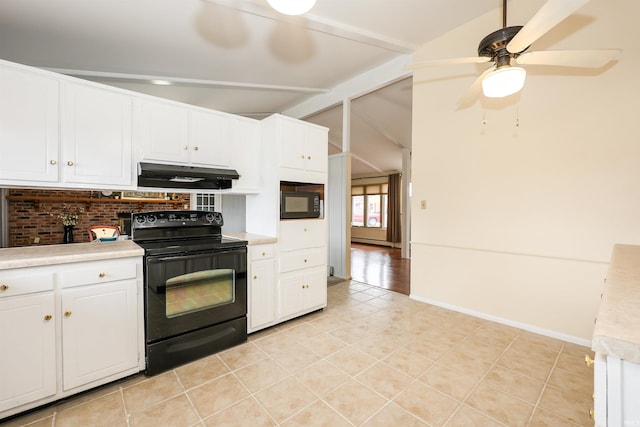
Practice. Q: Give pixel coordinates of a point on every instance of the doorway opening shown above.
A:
(381, 266)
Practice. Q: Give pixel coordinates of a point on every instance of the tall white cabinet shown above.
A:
(291, 151)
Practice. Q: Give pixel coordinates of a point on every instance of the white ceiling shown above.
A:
(242, 57)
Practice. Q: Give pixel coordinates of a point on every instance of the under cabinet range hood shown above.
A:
(184, 177)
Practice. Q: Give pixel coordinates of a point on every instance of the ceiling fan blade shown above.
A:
(550, 14)
(595, 58)
(474, 90)
(449, 61)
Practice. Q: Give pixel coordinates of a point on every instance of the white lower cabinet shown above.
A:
(617, 390)
(28, 337)
(262, 308)
(99, 332)
(303, 291)
(78, 322)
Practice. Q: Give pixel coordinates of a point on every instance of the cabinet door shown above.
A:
(262, 294)
(245, 138)
(209, 139)
(292, 145)
(99, 332)
(28, 126)
(164, 132)
(317, 151)
(27, 334)
(96, 135)
(316, 292)
(292, 294)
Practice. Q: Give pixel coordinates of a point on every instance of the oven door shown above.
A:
(187, 292)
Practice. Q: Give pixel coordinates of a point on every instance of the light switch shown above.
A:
(423, 204)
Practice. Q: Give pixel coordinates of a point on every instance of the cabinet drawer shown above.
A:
(302, 234)
(98, 272)
(302, 259)
(25, 281)
(259, 252)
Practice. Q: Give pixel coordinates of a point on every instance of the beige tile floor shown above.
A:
(372, 358)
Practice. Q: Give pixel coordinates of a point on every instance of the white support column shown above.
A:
(346, 127)
(406, 204)
(339, 255)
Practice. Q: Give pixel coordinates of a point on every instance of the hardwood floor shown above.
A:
(380, 266)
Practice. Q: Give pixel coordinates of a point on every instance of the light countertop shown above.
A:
(252, 239)
(30, 256)
(617, 328)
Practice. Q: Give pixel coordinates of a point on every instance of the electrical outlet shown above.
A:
(423, 204)
(36, 240)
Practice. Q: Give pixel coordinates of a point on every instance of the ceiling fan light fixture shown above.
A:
(503, 82)
(292, 7)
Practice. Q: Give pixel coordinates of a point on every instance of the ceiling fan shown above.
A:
(510, 44)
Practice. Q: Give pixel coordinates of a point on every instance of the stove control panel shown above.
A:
(166, 219)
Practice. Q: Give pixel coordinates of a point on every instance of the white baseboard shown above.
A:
(508, 322)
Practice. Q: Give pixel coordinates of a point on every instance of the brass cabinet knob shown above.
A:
(186, 147)
(48, 317)
(305, 260)
(255, 277)
(195, 148)
(4, 287)
(591, 413)
(305, 230)
(308, 157)
(302, 157)
(69, 163)
(101, 275)
(264, 253)
(67, 314)
(52, 162)
(587, 360)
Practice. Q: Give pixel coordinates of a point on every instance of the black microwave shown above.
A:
(299, 204)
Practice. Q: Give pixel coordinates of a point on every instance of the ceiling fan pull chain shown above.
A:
(484, 117)
(518, 116)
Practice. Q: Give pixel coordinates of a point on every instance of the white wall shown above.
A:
(521, 220)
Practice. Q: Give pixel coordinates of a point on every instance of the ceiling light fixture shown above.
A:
(504, 81)
(292, 7)
(162, 82)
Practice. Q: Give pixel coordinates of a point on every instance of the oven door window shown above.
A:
(192, 292)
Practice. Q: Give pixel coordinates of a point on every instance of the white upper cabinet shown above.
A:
(29, 117)
(302, 150)
(164, 132)
(178, 134)
(97, 136)
(245, 139)
(210, 138)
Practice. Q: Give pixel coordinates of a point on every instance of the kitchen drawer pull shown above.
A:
(67, 314)
(101, 275)
(186, 147)
(255, 277)
(52, 162)
(4, 287)
(69, 163)
(48, 317)
(264, 253)
(195, 148)
(591, 413)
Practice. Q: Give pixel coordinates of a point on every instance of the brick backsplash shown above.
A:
(30, 220)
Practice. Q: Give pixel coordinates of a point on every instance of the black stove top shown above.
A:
(168, 232)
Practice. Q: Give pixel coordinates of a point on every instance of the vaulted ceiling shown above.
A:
(242, 57)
